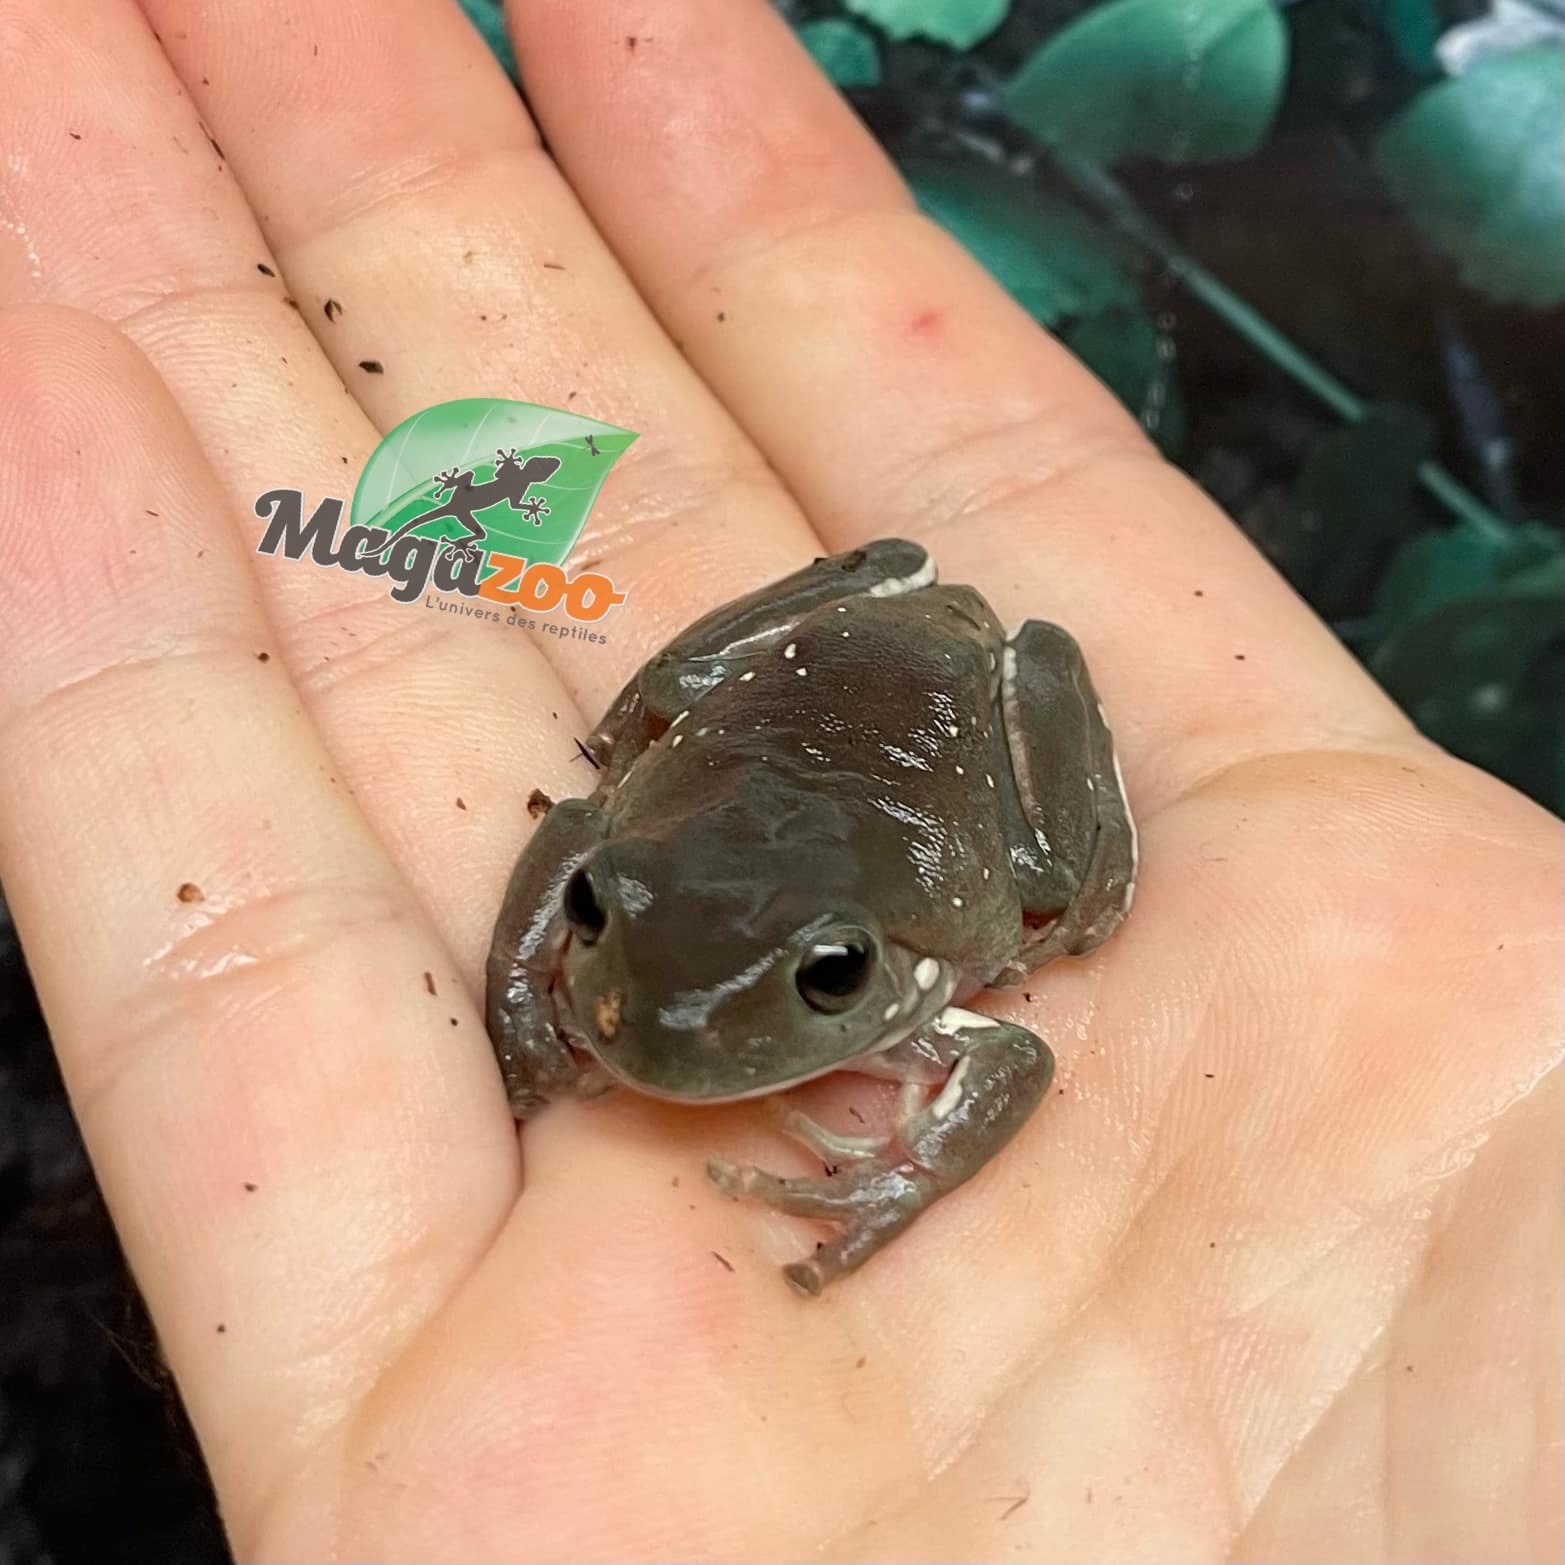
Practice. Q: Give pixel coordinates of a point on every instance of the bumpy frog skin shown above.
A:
(827, 815)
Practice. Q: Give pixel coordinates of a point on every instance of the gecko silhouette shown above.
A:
(511, 481)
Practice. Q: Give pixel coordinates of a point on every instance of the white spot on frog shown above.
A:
(801, 671)
(744, 679)
(957, 902)
(679, 739)
(1135, 842)
(953, 730)
(926, 972)
(682, 716)
(954, 1020)
(922, 576)
(951, 1093)
(791, 651)
(890, 1012)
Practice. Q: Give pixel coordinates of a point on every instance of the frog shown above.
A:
(825, 817)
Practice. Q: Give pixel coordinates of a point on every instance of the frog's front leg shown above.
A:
(1000, 1073)
(720, 644)
(1074, 842)
(534, 1059)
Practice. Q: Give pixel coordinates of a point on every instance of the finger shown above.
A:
(287, 1096)
(461, 260)
(779, 246)
(122, 206)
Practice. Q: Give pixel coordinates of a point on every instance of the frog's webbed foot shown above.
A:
(1000, 1072)
(874, 1201)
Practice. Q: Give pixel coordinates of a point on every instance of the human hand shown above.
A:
(1275, 1274)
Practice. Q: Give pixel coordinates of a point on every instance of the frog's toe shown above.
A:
(874, 1224)
(826, 1144)
(728, 1177)
(871, 1202)
(804, 1277)
(746, 1182)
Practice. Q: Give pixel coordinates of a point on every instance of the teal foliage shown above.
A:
(1183, 82)
(1136, 361)
(843, 50)
(958, 23)
(1470, 638)
(1479, 162)
(488, 16)
(1053, 259)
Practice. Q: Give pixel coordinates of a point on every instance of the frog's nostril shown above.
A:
(606, 1012)
(583, 911)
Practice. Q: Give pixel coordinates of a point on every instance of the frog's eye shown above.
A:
(583, 912)
(832, 977)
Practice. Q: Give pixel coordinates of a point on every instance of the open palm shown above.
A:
(1274, 1273)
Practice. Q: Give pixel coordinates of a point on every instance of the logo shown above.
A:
(479, 499)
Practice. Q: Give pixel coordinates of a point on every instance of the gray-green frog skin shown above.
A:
(827, 814)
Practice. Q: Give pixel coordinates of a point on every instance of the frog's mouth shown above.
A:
(593, 1044)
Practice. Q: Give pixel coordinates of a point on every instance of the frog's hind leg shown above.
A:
(1084, 872)
(1000, 1073)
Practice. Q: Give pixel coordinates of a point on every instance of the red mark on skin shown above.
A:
(925, 324)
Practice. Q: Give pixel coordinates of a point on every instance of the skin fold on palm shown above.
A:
(1275, 1271)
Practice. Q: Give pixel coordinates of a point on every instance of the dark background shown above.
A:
(96, 1464)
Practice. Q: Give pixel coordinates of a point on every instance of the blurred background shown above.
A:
(1314, 245)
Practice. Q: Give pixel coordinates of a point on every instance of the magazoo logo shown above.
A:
(480, 498)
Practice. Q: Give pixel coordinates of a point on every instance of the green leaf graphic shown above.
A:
(1479, 162)
(1184, 81)
(959, 23)
(401, 480)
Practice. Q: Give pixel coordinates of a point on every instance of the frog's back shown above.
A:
(869, 734)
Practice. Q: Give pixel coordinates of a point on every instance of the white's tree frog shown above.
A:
(827, 815)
